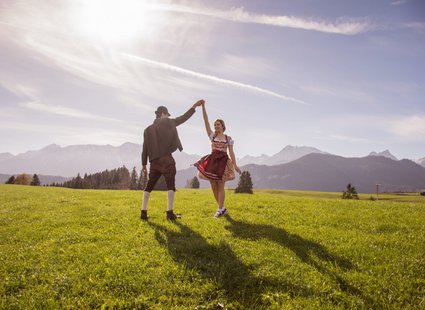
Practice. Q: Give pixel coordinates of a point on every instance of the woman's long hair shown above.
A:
(221, 122)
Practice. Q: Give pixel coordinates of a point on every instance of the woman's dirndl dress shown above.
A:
(216, 166)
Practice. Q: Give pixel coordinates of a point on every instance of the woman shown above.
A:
(217, 167)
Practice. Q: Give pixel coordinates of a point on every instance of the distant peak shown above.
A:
(299, 148)
(128, 144)
(51, 147)
(385, 153)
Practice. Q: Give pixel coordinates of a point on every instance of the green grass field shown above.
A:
(82, 249)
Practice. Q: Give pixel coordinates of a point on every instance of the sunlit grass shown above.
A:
(63, 248)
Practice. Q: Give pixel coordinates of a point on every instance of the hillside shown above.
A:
(319, 172)
(305, 168)
(88, 249)
(324, 172)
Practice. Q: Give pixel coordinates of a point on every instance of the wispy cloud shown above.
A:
(349, 94)
(418, 26)
(114, 73)
(399, 2)
(65, 111)
(19, 89)
(409, 128)
(69, 135)
(342, 26)
(346, 138)
(211, 78)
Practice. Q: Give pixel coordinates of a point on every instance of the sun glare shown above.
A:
(119, 20)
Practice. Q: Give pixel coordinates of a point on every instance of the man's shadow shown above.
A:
(308, 251)
(221, 265)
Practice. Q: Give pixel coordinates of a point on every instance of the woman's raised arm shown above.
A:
(207, 124)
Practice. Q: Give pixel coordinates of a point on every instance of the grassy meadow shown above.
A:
(83, 249)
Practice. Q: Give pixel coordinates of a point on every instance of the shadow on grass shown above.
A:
(309, 252)
(221, 265)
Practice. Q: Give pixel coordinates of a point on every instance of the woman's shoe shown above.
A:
(220, 212)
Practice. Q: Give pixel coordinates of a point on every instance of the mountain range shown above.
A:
(294, 167)
(68, 161)
(326, 172)
(287, 154)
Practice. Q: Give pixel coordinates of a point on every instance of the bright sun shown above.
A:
(119, 20)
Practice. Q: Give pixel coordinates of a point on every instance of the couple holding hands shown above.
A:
(161, 139)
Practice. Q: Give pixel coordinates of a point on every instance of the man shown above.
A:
(160, 140)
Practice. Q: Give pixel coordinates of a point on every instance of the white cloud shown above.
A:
(343, 26)
(88, 63)
(20, 89)
(71, 135)
(347, 138)
(60, 110)
(242, 65)
(418, 26)
(399, 2)
(410, 128)
(211, 78)
(343, 92)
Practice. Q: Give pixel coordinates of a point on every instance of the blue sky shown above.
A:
(346, 77)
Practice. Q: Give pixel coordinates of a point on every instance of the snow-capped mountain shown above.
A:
(68, 161)
(421, 161)
(286, 155)
(385, 153)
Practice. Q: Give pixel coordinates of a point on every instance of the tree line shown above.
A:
(24, 179)
(121, 179)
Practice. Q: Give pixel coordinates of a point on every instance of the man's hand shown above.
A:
(198, 103)
(144, 170)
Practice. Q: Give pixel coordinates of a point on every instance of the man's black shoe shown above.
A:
(172, 216)
(143, 215)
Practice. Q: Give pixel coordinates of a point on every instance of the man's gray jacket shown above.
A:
(161, 138)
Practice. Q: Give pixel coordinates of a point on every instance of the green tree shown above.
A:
(35, 180)
(23, 179)
(143, 179)
(245, 183)
(11, 180)
(78, 182)
(350, 192)
(133, 179)
(193, 183)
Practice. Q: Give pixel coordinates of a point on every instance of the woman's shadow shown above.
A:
(221, 265)
(308, 251)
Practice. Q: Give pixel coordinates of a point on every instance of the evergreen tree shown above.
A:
(35, 180)
(143, 179)
(78, 182)
(350, 192)
(193, 183)
(245, 183)
(109, 179)
(86, 181)
(11, 180)
(125, 178)
(133, 179)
